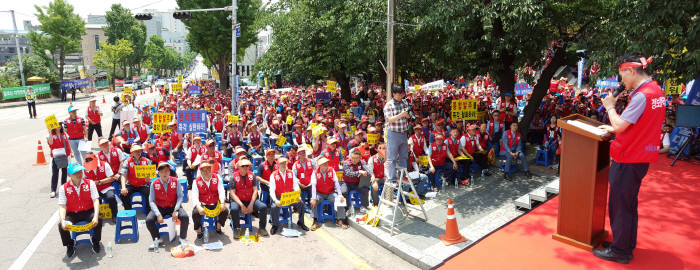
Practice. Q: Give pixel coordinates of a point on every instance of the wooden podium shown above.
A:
(583, 184)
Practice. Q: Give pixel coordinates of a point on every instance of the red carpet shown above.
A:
(668, 237)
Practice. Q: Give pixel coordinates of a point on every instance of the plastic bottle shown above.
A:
(247, 236)
(109, 249)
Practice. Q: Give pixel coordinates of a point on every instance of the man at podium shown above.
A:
(636, 145)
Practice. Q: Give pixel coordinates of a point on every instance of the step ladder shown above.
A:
(540, 194)
(399, 201)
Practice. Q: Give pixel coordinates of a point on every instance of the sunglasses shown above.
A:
(88, 159)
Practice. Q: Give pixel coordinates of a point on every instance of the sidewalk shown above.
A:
(479, 209)
(54, 99)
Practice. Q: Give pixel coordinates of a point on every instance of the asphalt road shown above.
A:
(30, 239)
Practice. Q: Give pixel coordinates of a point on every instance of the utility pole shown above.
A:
(389, 47)
(233, 77)
(19, 53)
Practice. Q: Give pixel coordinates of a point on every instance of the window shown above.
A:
(97, 42)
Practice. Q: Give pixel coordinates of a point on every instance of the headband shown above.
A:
(644, 63)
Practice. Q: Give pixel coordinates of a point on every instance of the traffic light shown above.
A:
(181, 15)
(144, 16)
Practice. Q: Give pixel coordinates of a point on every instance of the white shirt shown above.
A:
(62, 192)
(295, 184)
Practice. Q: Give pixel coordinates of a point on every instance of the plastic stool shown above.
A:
(322, 214)
(126, 216)
(264, 196)
(74, 235)
(513, 166)
(286, 147)
(257, 160)
(355, 198)
(117, 189)
(247, 222)
(183, 184)
(542, 158)
(165, 234)
(285, 216)
(141, 203)
(211, 222)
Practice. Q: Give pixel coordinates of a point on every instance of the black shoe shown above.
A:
(607, 244)
(608, 255)
(487, 173)
(200, 235)
(528, 174)
(506, 177)
(96, 248)
(70, 251)
(219, 231)
(303, 226)
(274, 230)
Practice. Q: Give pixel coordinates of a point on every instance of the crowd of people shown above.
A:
(291, 139)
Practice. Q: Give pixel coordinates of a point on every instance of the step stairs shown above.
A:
(539, 195)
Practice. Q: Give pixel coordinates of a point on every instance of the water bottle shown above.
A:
(206, 235)
(247, 237)
(109, 249)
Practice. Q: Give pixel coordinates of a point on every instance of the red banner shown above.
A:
(118, 82)
(136, 78)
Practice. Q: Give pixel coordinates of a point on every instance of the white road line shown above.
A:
(4, 189)
(31, 248)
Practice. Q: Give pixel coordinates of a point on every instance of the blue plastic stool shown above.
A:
(126, 216)
(285, 216)
(322, 215)
(165, 234)
(286, 147)
(117, 189)
(74, 235)
(513, 166)
(247, 222)
(542, 158)
(355, 198)
(141, 203)
(183, 184)
(210, 221)
(475, 168)
(257, 160)
(264, 196)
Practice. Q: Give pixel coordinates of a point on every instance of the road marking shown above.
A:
(31, 248)
(4, 189)
(361, 264)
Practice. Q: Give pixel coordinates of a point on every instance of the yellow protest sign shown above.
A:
(51, 122)
(423, 160)
(79, 228)
(179, 79)
(281, 140)
(289, 198)
(354, 130)
(233, 119)
(313, 125)
(145, 171)
(417, 87)
(372, 138)
(105, 211)
(339, 174)
(464, 109)
(212, 213)
(462, 157)
(673, 88)
(176, 87)
(318, 130)
(160, 122)
(331, 86)
(345, 115)
(290, 119)
(128, 91)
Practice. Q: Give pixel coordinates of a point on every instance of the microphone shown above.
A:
(619, 90)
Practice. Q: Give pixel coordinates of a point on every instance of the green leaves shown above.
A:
(61, 30)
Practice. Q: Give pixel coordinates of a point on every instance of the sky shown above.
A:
(24, 10)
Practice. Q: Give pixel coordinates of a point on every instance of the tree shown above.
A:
(210, 32)
(324, 39)
(110, 57)
(61, 31)
(122, 25)
(8, 80)
(32, 65)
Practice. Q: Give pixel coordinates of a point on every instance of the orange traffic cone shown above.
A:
(40, 159)
(452, 235)
(103, 99)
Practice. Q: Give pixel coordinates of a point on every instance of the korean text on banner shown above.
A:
(192, 121)
(289, 198)
(105, 211)
(290, 120)
(331, 86)
(145, 171)
(128, 91)
(176, 88)
(51, 122)
(464, 109)
(281, 140)
(323, 97)
(423, 160)
(194, 90)
(179, 79)
(233, 119)
(673, 88)
(19, 92)
(372, 138)
(160, 122)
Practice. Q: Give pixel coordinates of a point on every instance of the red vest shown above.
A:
(128, 134)
(174, 138)
(132, 179)
(512, 143)
(506, 108)
(218, 124)
(639, 142)
(114, 160)
(355, 168)
(378, 167)
(298, 137)
(93, 115)
(98, 174)
(283, 185)
(453, 145)
(470, 143)
(244, 186)
(166, 199)
(324, 182)
(74, 128)
(436, 132)
(267, 170)
(490, 127)
(162, 157)
(57, 143)
(483, 138)
(551, 133)
(216, 156)
(418, 144)
(209, 195)
(194, 152)
(74, 203)
(146, 117)
(255, 139)
(234, 138)
(333, 158)
(438, 155)
(304, 174)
